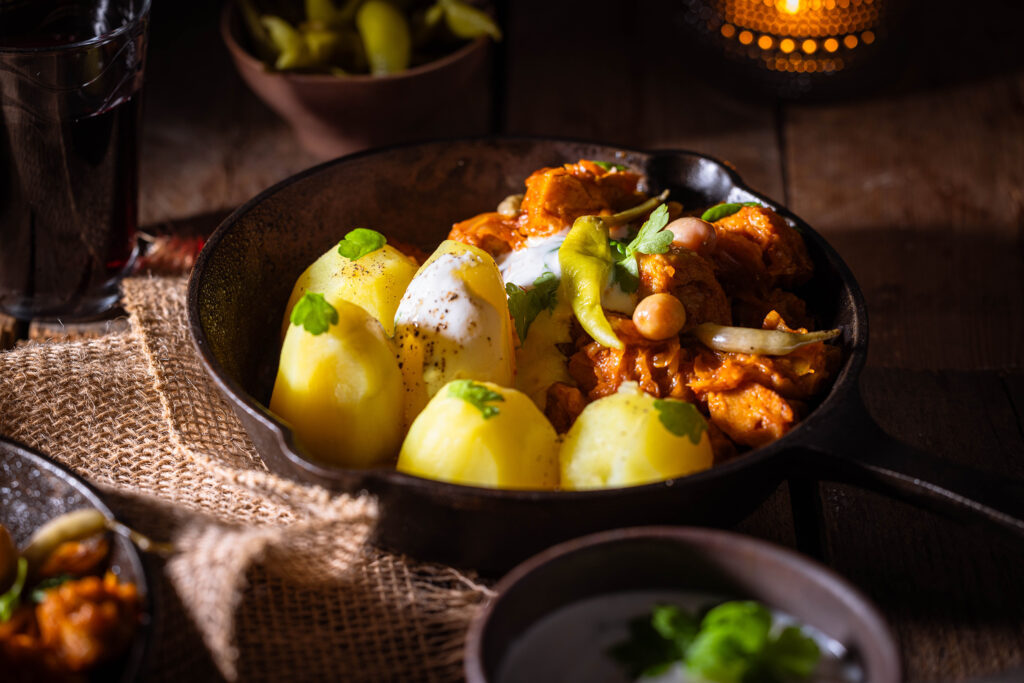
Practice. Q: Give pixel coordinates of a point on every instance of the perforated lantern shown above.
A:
(793, 46)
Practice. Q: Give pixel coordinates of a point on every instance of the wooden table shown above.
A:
(919, 185)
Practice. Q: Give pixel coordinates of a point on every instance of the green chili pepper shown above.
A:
(322, 45)
(261, 42)
(468, 22)
(323, 12)
(386, 37)
(586, 261)
(292, 52)
(752, 340)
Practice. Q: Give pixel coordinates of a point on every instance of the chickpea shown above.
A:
(693, 233)
(659, 316)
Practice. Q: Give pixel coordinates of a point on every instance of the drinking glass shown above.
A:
(70, 73)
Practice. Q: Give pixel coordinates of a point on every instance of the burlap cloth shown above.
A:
(272, 580)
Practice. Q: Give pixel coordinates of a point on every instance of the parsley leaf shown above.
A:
(718, 656)
(526, 304)
(672, 623)
(314, 313)
(609, 166)
(476, 395)
(733, 644)
(646, 652)
(627, 274)
(681, 418)
(720, 211)
(745, 620)
(792, 654)
(360, 242)
(652, 239)
(10, 600)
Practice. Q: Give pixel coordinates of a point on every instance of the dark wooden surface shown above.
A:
(919, 184)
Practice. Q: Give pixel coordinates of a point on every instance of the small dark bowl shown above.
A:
(334, 115)
(34, 490)
(679, 558)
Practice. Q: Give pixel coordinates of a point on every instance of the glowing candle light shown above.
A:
(795, 45)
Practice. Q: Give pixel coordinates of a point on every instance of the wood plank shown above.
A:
(951, 590)
(208, 144)
(920, 188)
(8, 331)
(614, 72)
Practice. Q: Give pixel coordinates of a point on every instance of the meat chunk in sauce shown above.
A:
(745, 279)
(691, 279)
(555, 197)
(752, 415)
(756, 249)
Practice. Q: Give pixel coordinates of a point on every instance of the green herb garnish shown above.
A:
(717, 213)
(609, 166)
(734, 643)
(526, 304)
(314, 313)
(360, 242)
(10, 600)
(681, 418)
(655, 642)
(476, 395)
(652, 239)
(39, 592)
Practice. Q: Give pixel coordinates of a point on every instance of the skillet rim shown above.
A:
(800, 437)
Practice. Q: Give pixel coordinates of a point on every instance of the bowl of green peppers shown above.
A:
(352, 74)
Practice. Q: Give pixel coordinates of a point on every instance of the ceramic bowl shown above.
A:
(687, 559)
(335, 115)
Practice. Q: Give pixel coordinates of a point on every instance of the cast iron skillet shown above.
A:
(244, 275)
(35, 490)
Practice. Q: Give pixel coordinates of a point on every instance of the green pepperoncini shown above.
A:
(586, 261)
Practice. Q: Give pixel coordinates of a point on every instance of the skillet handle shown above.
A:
(864, 455)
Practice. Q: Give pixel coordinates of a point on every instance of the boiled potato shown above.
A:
(539, 362)
(453, 323)
(375, 282)
(341, 390)
(482, 434)
(631, 438)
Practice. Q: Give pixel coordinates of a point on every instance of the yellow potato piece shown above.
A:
(453, 323)
(539, 363)
(623, 440)
(451, 440)
(375, 282)
(341, 391)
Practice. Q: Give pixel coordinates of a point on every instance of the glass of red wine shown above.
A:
(70, 74)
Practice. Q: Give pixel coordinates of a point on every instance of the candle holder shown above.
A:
(795, 48)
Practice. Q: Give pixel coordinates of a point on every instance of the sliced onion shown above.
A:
(751, 340)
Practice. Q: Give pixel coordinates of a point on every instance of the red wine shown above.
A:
(68, 174)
